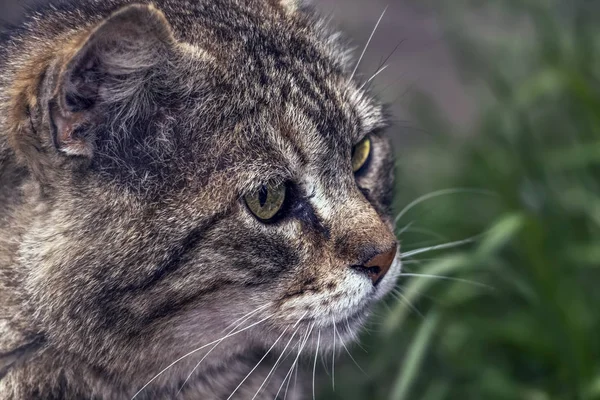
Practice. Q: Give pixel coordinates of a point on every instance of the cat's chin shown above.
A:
(324, 333)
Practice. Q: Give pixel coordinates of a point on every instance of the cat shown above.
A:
(194, 196)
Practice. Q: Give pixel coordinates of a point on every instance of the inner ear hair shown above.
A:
(111, 65)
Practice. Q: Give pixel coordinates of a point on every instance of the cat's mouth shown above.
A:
(343, 325)
(350, 318)
(344, 310)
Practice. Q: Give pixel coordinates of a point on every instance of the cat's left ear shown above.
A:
(113, 64)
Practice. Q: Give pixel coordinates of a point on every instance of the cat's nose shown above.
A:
(378, 266)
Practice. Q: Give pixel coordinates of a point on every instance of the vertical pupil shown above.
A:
(262, 196)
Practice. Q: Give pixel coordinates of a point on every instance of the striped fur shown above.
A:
(129, 134)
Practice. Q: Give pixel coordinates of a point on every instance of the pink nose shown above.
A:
(378, 266)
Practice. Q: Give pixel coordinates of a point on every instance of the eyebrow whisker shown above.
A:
(367, 45)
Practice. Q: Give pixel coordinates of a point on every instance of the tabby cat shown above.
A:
(194, 195)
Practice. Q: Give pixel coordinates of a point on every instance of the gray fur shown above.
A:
(129, 135)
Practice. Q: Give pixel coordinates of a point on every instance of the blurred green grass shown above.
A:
(526, 325)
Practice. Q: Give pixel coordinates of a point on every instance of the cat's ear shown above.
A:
(112, 64)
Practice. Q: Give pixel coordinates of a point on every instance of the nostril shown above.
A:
(372, 273)
(377, 266)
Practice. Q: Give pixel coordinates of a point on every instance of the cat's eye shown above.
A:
(360, 154)
(267, 201)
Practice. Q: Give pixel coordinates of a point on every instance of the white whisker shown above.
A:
(258, 363)
(315, 364)
(352, 358)
(296, 375)
(380, 70)
(195, 351)
(355, 336)
(325, 365)
(241, 321)
(367, 45)
(399, 296)
(285, 378)
(304, 340)
(425, 232)
(417, 245)
(333, 358)
(440, 247)
(280, 356)
(439, 193)
(384, 61)
(289, 380)
(409, 262)
(406, 227)
(449, 278)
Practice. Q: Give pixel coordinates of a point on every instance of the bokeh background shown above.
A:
(497, 131)
(498, 214)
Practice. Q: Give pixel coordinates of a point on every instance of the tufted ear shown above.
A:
(111, 65)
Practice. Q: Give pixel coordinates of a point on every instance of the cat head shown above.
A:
(196, 166)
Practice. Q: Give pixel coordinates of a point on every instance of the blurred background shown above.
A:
(497, 131)
(498, 204)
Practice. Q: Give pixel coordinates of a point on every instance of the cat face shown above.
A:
(194, 173)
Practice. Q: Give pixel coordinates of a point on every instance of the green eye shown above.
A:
(360, 154)
(266, 202)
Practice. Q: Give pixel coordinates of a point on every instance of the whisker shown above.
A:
(419, 295)
(380, 70)
(383, 62)
(352, 358)
(439, 193)
(374, 323)
(367, 45)
(417, 245)
(333, 357)
(304, 340)
(315, 364)
(419, 261)
(289, 380)
(243, 319)
(296, 375)
(285, 378)
(400, 297)
(425, 232)
(449, 278)
(392, 52)
(195, 351)
(258, 363)
(440, 247)
(355, 337)
(406, 227)
(295, 371)
(288, 376)
(280, 356)
(325, 365)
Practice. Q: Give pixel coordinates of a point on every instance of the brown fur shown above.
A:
(129, 136)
